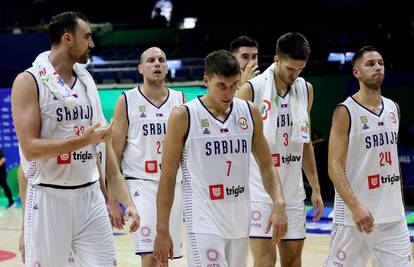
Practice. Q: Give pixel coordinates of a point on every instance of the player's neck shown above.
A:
(154, 93)
(62, 64)
(281, 86)
(219, 111)
(370, 99)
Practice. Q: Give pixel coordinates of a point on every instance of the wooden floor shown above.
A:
(316, 246)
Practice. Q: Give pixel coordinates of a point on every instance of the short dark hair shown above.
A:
(242, 41)
(64, 22)
(360, 53)
(293, 45)
(221, 62)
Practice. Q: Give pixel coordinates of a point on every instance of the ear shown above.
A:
(205, 80)
(276, 59)
(67, 38)
(355, 72)
(140, 68)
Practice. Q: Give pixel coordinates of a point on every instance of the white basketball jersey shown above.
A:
(146, 131)
(215, 164)
(372, 166)
(287, 156)
(60, 122)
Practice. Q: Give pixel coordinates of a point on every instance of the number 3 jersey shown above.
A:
(372, 167)
(215, 164)
(59, 122)
(147, 125)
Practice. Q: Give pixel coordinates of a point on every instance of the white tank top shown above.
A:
(215, 164)
(288, 159)
(372, 166)
(146, 131)
(59, 122)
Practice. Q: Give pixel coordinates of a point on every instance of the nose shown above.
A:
(91, 43)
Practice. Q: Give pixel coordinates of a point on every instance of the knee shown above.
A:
(291, 261)
(265, 259)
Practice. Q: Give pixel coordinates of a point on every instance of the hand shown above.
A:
(277, 220)
(93, 135)
(163, 248)
(115, 214)
(363, 219)
(131, 212)
(249, 72)
(318, 206)
(21, 245)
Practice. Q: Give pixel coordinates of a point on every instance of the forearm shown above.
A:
(309, 167)
(118, 188)
(342, 186)
(22, 189)
(165, 199)
(48, 148)
(273, 187)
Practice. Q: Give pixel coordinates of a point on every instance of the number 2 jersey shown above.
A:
(372, 167)
(215, 164)
(147, 125)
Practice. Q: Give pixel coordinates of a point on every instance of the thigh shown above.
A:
(237, 251)
(206, 250)
(93, 243)
(144, 195)
(392, 246)
(48, 232)
(260, 212)
(296, 222)
(176, 222)
(350, 248)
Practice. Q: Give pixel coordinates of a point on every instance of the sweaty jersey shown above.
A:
(287, 156)
(59, 122)
(147, 125)
(372, 167)
(215, 164)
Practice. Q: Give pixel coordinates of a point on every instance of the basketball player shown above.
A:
(56, 112)
(213, 136)
(363, 165)
(245, 49)
(285, 101)
(140, 122)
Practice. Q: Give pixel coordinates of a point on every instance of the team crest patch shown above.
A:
(364, 119)
(141, 108)
(205, 123)
(243, 123)
(393, 117)
(265, 108)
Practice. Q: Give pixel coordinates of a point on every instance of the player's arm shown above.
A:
(26, 118)
(119, 136)
(270, 178)
(178, 124)
(23, 192)
(309, 167)
(120, 129)
(118, 187)
(245, 92)
(337, 154)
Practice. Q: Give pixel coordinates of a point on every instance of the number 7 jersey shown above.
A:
(215, 164)
(372, 167)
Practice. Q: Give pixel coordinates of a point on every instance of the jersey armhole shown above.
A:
(37, 85)
(251, 87)
(349, 116)
(189, 124)
(126, 106)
